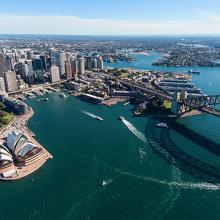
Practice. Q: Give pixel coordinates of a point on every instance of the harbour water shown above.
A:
(152, 173)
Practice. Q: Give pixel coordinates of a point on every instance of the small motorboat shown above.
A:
(162, 125)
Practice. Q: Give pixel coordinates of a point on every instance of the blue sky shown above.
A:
(141, 17)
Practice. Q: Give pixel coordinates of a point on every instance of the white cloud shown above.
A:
(55, 24)
(210, 15)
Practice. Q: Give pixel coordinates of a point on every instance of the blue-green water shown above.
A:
(152, 173)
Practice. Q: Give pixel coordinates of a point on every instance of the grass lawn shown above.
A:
(167, 105)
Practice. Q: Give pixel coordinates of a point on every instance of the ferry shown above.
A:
(126, 103)
(195, 72)
(161, 125)
(93, 116)
(98, 118)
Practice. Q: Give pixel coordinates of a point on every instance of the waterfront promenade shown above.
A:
(33, 163)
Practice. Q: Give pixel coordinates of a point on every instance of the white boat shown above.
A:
(161, 125)
(93, 116)
(106, 182)
(98, 118)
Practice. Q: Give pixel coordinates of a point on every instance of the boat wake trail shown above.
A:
(91, 115)
(134, 130)
(181, 184)
(88, 113)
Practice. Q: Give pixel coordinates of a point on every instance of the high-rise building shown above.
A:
(94, 63)
(88, 62)
(49, 62)
(2, 65)
(100, 64)
(54, 74)
(24, 71)
(52, 52)
(28, 73)
(81, 66)
(30, 77)
(68, 69)
(38, 70)
(60, 62)
(2, 85)
(68, 57)
(8, 63)
(43, 58)
(75, 68)
(30, 54)
(11, 81)
(18, 68)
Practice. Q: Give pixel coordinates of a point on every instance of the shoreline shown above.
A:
(33, 163)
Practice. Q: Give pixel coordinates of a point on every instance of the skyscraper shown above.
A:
(2, 65)
(100, 64)
(49, 62)
(68, 68)
(43, 58)
(18, 68)
(8, 63)
(94, 63)
(81, 66)
(2, 85)
(30, 54)
(28, 73)
(51, 52)
(54, 74)
(11, 81)
(88, 62)
(75, 68)
(38, 70)
(60, 62)
(68, 57)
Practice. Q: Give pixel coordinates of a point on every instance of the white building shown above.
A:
(5, 156)
(81, 66)
(60, 59)
(11, 81)
(2, 85)
(19, 144)
(54, 74)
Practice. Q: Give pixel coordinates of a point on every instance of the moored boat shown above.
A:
(161, 125)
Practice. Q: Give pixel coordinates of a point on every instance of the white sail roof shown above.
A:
(12, 138)
(5, 157)
(26, 148)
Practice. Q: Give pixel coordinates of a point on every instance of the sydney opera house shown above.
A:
(19, 156)
(5, 156)
(22, 149)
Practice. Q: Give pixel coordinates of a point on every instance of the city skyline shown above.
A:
(110, 18)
